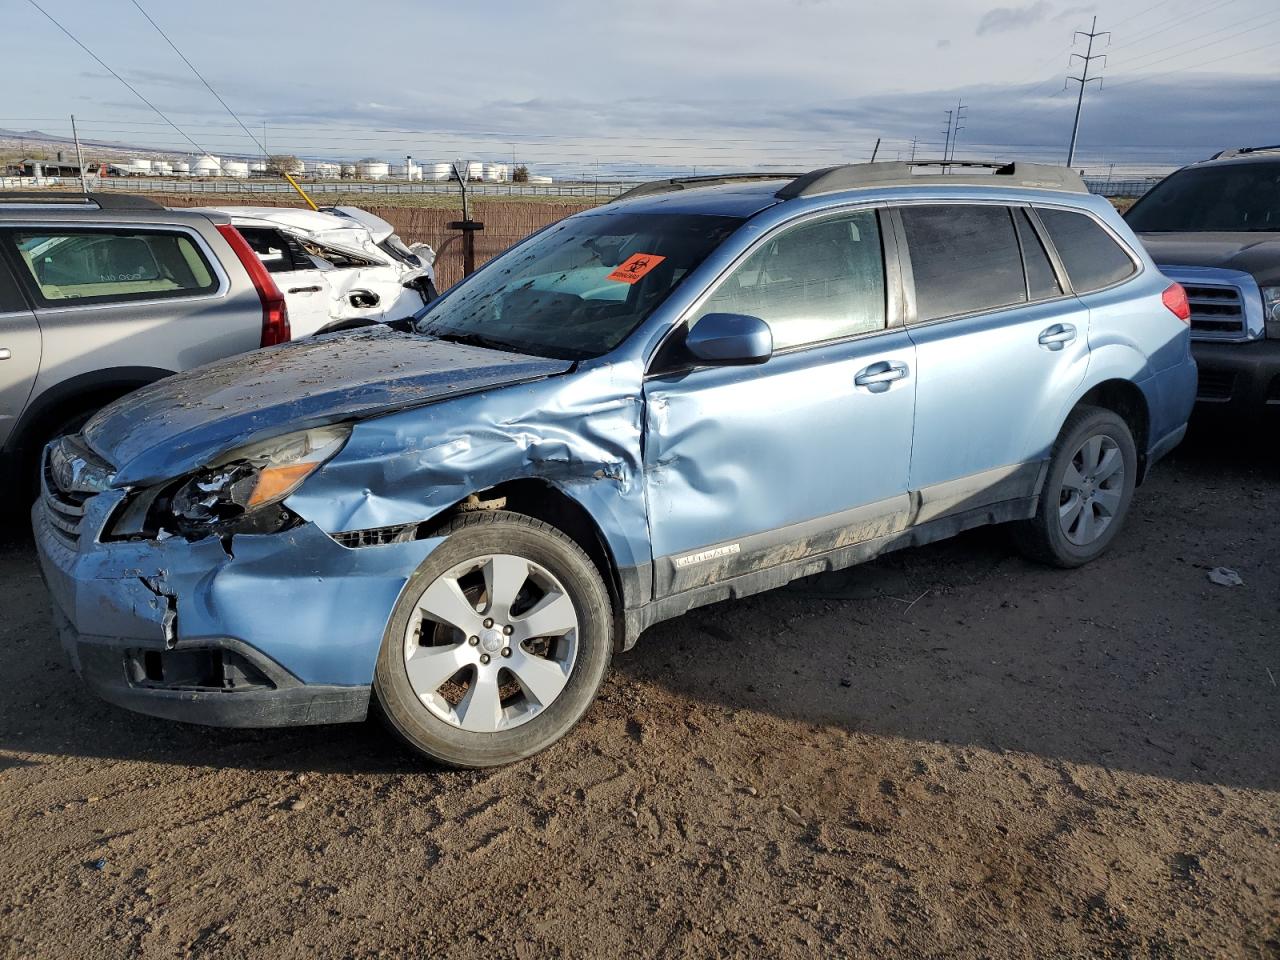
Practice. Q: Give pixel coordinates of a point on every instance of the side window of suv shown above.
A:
(965, 258)
(278, 252)
(111, 265)
(814, 282)
(1092, 257)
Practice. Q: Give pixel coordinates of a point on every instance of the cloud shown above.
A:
(1068, 12)
(1002, 19)
(944, 43)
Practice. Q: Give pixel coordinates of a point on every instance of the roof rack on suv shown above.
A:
(1039, 176)
(1242, 151)
(686, 183)
(88, 201)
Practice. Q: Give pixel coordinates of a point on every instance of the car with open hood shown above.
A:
(702, 390)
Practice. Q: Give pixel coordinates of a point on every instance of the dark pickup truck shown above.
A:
(1214, 227)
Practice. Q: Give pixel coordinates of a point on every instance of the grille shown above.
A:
(1215, 385)
(1217, 311)
(64, 511)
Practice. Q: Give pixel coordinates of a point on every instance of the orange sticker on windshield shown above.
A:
(635, 267)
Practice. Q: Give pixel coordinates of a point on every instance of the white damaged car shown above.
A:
(337, 265)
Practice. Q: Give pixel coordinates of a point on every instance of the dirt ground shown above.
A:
(949, 752)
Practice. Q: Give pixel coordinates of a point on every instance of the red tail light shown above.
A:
(275, 315)
(1175, 298)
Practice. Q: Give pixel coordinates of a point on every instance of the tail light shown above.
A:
(275, 315)
(1175, 298)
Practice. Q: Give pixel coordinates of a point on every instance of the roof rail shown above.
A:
(853, 176)
(1241, 151)
(101, 201)
(686, 183)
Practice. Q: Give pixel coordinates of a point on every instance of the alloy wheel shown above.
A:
(1092, 490)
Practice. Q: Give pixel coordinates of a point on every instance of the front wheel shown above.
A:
(1086, 492)
(498, 644)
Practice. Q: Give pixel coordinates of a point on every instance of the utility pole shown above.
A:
(84, 188)
(957, 126)
(913, 149)
(946, 144)
(1084, 79)
(876, 150)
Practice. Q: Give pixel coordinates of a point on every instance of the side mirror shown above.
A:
(728, 339)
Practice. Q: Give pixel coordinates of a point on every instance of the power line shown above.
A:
(1176, 22)
(1202, 45)
(201, 78)
(130, 86)
(1084, 80)
(1142, 78)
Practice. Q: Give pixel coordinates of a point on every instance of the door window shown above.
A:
(815, 282)
(111, 265)
(965, 259)
(1042, 282)
(278, 252)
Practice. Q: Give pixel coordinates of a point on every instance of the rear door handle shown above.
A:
(879, 376)
(315, 289)
(1057, 336)
(5, 354)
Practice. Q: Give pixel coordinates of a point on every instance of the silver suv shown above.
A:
(102, 294)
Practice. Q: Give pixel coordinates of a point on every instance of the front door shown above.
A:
(751, 467)
(19, 352)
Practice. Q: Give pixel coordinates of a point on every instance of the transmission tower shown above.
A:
(1084, 79)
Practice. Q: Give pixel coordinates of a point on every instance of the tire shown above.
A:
(1083, 503)
(491, 710)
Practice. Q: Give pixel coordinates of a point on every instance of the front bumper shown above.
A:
(1238, 378)
(273, 630)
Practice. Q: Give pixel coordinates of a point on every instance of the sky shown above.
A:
(575, 87)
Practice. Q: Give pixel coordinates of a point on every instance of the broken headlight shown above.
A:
(241, 492)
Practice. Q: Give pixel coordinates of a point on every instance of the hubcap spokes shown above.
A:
(1091, 490)
(492, 643)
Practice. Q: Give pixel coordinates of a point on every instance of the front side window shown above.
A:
(278, 253)
(1042, 282)
(112, 265)
(815, 282)
(965, 258)
(1093, 259)
(578, 288)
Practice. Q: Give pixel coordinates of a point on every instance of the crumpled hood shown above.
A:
(177, 424)
(1253, 253)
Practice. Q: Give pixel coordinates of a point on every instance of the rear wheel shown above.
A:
(498, 644)
(1086, 492)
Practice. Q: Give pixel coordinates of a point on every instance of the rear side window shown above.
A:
(815, 282)
(1092, 258)
(103, 266)
(965, 259)
(278, 253)
(1042, 282)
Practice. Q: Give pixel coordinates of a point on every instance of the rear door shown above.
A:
(753, 467)
(19, 352)
(1000, 346)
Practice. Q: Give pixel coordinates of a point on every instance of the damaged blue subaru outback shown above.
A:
(702, 390)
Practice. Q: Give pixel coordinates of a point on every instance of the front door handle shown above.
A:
(315, 289)
(879, 376)
(1057, 336)
(5, 353)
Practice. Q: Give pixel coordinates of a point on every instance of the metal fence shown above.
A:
(374, 188)
(1120, 189)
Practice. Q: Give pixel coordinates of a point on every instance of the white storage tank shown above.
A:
(537, 178)
(207, 166)
(182, 168)
(348, 170)
(162, 167)
(440, 172)
(139, 167)
(504, 172)
(328, 171)
(235, 168)
(491, 172)
(372, 170)
(475, 170)
(257, 166)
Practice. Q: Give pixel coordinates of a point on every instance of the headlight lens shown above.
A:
(1271, 311)
(243, 482)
